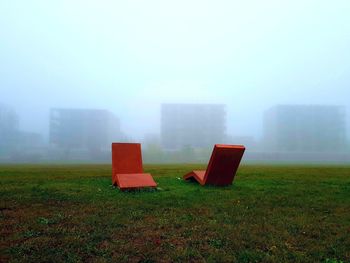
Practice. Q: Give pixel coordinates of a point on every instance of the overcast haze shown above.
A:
(130, 56)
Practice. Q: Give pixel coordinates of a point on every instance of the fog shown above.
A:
(132, 57)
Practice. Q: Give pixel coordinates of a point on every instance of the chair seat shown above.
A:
(222, 166)
(200, 174)
(132, 181)
(197, 175)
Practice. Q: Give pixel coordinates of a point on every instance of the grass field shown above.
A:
(57, 213)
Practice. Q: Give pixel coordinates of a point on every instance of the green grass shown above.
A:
(71, 213)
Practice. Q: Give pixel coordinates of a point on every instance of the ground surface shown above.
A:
(271, 213)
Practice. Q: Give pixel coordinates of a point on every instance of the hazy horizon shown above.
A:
(129, 57)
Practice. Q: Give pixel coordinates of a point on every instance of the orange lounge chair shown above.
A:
(127, 172)
(222, 167)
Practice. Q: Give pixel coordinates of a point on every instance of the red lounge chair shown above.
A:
(127, 172)
(222, 167)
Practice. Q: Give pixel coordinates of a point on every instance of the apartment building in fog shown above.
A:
(92, 129)
(195, 125)
(305, 128)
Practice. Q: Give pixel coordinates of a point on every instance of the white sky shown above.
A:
(130, 56)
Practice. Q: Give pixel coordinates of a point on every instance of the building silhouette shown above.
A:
(91, 129)
(305, 128)
(9, 129)
(194, 125)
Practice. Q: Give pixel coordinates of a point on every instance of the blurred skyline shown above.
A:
(129, 57)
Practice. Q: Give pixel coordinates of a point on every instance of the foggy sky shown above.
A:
(131, 56)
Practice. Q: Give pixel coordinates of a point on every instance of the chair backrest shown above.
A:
(223, 164)
(126, 158)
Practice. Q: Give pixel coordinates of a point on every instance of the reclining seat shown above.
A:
(222, 167)
(127, 171)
